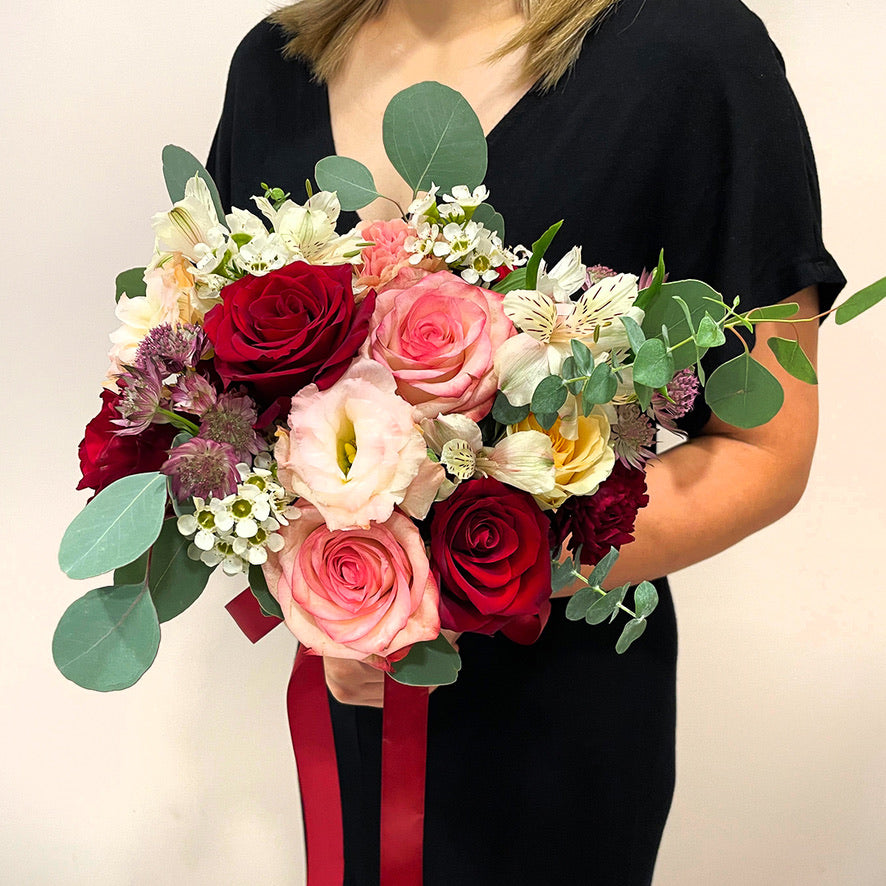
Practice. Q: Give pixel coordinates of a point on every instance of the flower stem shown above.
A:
(179, 421)
(597, 589)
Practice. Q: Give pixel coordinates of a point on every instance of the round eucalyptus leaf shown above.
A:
(180, 165)
(350, 179)
(175, 580)
(744, 393)
(118, 525)
(549, 395)
(633, 630)
(108, 638)
(430, 663)
(792, 358)
(485, 215)
(432, 136)
(645, 599)
(653, 364)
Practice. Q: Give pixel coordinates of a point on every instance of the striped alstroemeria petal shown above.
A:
(532, 312)
(603, 304)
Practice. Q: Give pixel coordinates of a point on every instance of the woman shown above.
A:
(646, 124)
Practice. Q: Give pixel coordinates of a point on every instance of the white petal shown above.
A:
(523, 459)
(440, 430)
(521, 363)
(458, 458)
(246, 528)
(531, 311)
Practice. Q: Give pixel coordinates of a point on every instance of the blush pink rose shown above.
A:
(439, 337)
(386, 262)
(355, 593)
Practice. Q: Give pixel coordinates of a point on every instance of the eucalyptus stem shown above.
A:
(178, 421)
(598, 590)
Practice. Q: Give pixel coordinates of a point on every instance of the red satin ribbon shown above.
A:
(404, 747)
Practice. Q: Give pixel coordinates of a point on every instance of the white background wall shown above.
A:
(188, 778)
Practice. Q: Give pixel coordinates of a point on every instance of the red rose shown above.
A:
(293, 326)
(489, 552)
(106, 456)
(604, 519)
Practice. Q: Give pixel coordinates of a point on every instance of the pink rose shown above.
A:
(439, 338)
(354, 593)
(386, 261)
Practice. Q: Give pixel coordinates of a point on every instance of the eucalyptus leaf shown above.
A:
(665, 311)
(603, 567)
(108, 638)
(572, 378)
(599, 388)
(709, 334)
(647, 296)
(350, 179)
(131, 283)
(262, 593)
(562, 573)
(861, 301)
(175, 580)
(633, 630)
(743, 392)
(515, 280)
(645, 599)
(179, 166)
(584, 359)
(644, 395)
(505, 413)
(622, 593)
(133, 573)
(485, 215)
(602, 608)
(549, 395)
(653, 364)
(539, 248)
(546, 419)
(580, 602)
(430, 663)
(635, 333)
(432, 136)
(793, 359)
(773, 312)
(118, 525)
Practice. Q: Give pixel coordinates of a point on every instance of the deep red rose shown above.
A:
(489, 552)
(604, 519)
(106, 456)
(296, 325)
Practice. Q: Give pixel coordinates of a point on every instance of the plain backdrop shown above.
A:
(188, 777)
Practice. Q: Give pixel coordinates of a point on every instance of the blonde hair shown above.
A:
(320, 32)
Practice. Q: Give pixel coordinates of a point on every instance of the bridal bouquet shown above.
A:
(402, 428)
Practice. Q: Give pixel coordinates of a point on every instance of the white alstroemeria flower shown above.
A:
(565, 278)
(192, 223)
(524, 460)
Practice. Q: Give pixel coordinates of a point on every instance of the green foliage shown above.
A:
(635, 333)
(546, 419)
(563, 573)
(108, 638)
(507, 414)
(605, 607)
(485, 215)
(350, 179)
(430, 663)
(793, 359)
(773, 312)
(118, 525)
(584, 359)
(175, 580)
(599, 388)
(180, 165)
(580, 602)
(709, 333)
(648, 296)
(572, 378)
(515, 280)
(603, 567)
(653, 364)
(744, 393)
(644, 395)
(539, 248)
(633, 630)
(432, 136)
(645, 599)
(666, 311)
(549, 395)
(861, 301)
(131, 282)
(262, 593)
(133, 573)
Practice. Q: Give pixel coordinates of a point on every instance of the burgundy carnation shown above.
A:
(604, 519)
(106, 455)
(489, 552)
(286, 329)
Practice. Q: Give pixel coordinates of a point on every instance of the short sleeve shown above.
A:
(747, 185)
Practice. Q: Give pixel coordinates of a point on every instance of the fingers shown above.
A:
(354, 683)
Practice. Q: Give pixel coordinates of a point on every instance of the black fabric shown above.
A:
(554, 764)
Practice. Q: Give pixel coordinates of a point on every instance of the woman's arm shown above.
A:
(709, 493)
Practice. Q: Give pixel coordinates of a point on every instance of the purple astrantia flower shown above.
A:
(230, 420)
(201, 467)
(143, 395)
(597, 273)
(682, 389)
(632, 436)
(194, 393)
(172, 348)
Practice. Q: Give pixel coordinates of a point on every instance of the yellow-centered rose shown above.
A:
(580, 465)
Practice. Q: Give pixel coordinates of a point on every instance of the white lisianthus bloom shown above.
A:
(524, 460)
(192, 226)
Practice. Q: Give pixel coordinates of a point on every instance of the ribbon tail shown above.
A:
(310, 725)
(403, 766)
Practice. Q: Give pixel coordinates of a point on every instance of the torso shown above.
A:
(360, 91)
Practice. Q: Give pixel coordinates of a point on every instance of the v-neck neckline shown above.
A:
(516, 110)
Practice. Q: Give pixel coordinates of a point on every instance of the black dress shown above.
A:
(554, 764)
